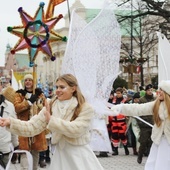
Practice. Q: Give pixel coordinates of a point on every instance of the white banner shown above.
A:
(163, 57)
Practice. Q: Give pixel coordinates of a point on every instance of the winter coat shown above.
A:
(7, 139)
(76, 132)
(23, 110)
(147, 109)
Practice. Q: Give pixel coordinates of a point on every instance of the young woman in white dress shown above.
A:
(159, 157)
(68, 117)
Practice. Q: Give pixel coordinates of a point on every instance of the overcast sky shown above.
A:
(9, 16)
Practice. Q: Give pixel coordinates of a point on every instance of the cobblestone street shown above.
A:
(120, 162)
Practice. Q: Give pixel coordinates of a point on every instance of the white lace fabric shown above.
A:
(93, 52)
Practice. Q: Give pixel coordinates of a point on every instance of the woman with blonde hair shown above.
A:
(68, 117)
(159, 156)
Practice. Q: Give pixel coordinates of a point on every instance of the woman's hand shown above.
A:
(4, 122)
(47, 112)
(117, 109)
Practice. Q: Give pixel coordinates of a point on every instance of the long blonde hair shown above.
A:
(72, 81)
(156, 117)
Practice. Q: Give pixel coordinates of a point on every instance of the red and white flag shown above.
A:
(138, 69)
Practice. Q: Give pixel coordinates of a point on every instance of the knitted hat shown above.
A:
(28, 76)
(142, 93)
(9, 93)
(149, 86)
(136, 95)
(141, 88)
(165, 86)
(130, 93)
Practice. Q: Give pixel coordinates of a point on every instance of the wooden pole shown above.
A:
(68, 8)
(34, 78)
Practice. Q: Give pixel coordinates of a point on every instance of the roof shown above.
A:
(125, 26)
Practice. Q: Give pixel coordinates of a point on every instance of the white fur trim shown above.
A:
(28, 76)
(165, 86)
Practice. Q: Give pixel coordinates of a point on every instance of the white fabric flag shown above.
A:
(20, 86)
(163, 57)
(14, 81)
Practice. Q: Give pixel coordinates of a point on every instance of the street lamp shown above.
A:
(131, 62)
(130, 68)
(131, 32)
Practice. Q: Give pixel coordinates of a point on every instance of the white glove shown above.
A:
(117, 109)
(100, 108)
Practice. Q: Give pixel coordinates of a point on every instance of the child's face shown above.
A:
(119, 94)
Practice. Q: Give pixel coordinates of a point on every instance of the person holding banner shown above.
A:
(160, 109)
(69, 118)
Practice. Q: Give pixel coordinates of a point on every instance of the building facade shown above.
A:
(47, 71)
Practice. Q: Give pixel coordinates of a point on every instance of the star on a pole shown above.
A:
(36, 33)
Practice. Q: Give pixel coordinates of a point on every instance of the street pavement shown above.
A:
(122, 161)
(119, 162)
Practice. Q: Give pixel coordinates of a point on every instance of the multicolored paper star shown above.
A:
(36, 34)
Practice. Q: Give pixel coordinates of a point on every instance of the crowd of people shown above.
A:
(127, 131)
(139, 121)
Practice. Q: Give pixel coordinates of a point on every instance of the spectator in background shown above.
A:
(142, 91)
(129, 96)
(24, 100)
(130, 123)
(135, 127)
(136, 97)
(111, 96)
(8, 141)
(145, 130)
(44, 156)
(117, 125)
